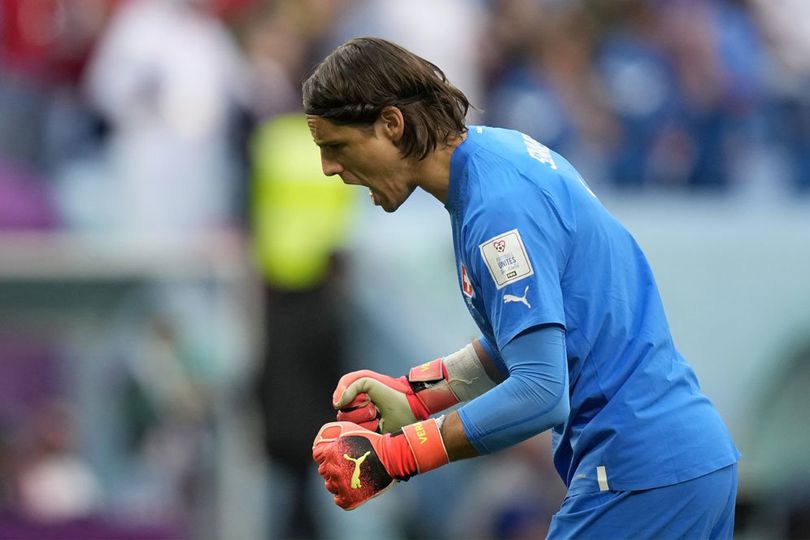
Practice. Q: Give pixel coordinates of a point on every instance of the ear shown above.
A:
(391, 123)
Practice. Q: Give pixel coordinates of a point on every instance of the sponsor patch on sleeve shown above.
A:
(506, 258)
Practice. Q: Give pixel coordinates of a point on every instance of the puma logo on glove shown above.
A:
(355, 483)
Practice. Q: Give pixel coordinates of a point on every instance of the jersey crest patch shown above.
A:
(506, 258)
(466, 284)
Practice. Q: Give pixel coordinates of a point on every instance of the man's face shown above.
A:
(365, 156)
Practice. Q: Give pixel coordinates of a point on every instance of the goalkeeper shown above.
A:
(574, 336)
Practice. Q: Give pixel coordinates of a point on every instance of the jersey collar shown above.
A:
(458, 167)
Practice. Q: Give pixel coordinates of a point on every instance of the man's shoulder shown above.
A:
(499, 152)
(494, 144)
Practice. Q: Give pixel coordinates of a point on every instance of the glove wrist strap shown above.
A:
(444, 382)
(426, 444)
(430, 386)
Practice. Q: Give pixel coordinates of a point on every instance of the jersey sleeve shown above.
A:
(517, 246)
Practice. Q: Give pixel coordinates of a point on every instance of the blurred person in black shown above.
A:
(298, 222)
(300, 219)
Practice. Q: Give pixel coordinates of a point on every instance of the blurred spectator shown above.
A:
(521, 79)
(53, 493)
(641, 91)
(541, 79)
(44, 46)
(718, 61)
(422, 26)
(277, 39)
(301, 220)
(169, 78)
(784, 23)
(276, 52)
(53, 482)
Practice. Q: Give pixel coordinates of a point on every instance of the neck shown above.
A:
(433, 172)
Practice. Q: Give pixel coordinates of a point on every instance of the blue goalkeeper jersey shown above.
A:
(534, 246)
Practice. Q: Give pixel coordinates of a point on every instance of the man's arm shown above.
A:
(532, 399)
(385, 404)
(456, 443)
(455, 440)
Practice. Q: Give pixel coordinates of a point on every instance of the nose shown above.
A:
(330, 167)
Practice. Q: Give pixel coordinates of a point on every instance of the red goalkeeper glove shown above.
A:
(357, 464)
(385, 404)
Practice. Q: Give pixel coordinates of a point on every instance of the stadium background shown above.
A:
(141, 291)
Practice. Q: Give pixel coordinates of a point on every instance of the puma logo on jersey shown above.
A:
(355, 481)
(522, 299)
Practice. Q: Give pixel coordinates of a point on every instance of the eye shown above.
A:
(331, 148)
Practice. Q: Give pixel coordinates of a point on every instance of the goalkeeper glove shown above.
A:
(357, 464)
(381, 403)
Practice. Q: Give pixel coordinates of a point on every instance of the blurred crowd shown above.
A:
(144, 117)
(135, 114)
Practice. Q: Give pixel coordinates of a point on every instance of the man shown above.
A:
(574, 335)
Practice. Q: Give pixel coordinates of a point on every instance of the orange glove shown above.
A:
(357, 464)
